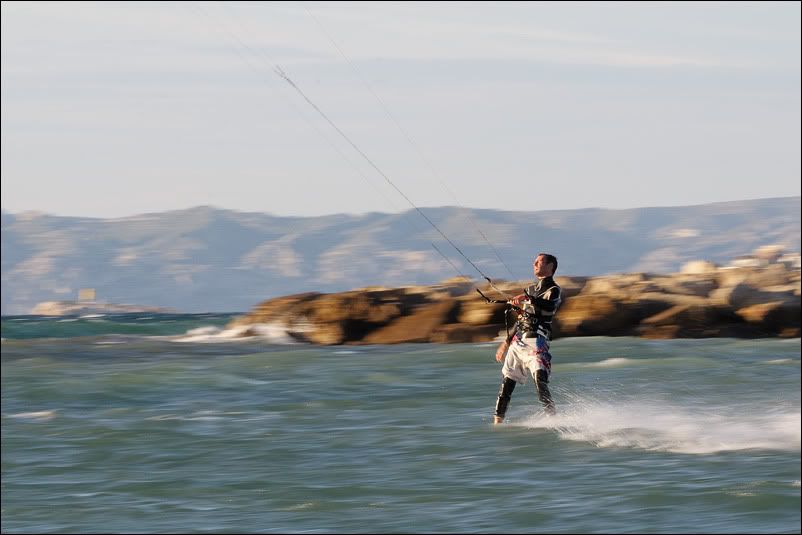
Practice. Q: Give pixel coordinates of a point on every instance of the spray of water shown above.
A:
(650, 425)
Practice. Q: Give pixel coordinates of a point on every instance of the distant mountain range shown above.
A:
(206, 259)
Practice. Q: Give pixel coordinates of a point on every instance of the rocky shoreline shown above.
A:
(701, 301)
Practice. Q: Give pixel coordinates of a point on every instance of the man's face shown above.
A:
(541, 267)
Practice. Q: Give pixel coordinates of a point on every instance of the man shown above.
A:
(526, 351)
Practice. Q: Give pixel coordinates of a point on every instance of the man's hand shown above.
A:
(517, 300)
(501, 351)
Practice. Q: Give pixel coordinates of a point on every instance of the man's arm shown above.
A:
(548, 301)
(505, 345)
(502, 350)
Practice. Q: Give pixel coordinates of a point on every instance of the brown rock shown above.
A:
(744, 294)
(459, 333)
(571, 286)
(671, 299)
(339, 307)
(772, 275)
(594, 315)
(415, 327)
(613, 285)
(772, 318)
(790, 332)
(327, 334)
(692, 321)
(475, 311)
(280, 309)
(663, 332)
(694, 285)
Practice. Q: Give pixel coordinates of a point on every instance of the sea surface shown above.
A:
(169, 423)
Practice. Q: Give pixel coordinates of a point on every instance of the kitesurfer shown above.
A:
(525, 351)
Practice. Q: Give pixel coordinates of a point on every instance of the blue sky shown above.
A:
(114, 109)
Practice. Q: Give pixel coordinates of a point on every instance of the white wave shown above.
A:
(780, 361)
(651, 426)
(111, 342)
(613, 362)
(217, 415)
(300, 506)
(37, 416)
(272, 333)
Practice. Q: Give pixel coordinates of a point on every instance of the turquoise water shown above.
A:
(93, 325)
(116, 432)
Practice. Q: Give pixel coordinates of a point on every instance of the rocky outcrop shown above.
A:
(701, 301)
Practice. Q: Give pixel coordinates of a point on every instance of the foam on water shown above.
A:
(651, 426)
(613, 362)
(35, 416)
(272, 333)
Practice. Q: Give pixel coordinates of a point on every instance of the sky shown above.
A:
(111, 109)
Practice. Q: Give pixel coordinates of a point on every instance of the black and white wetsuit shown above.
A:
(545, 298)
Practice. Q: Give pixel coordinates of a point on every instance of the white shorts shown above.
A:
(525, 357)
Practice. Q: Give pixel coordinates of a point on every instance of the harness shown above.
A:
(530, 321)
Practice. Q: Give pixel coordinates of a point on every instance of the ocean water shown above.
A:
(146, 424)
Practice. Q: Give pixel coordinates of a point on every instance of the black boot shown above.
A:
(504, 395)
(542, 384)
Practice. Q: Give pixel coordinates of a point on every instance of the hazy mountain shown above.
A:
(208, 259)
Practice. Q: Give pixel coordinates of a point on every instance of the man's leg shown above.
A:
(504, 395)
(542, 384)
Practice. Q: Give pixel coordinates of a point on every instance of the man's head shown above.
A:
(545, 265)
